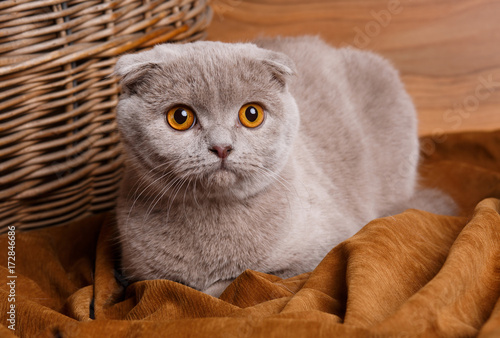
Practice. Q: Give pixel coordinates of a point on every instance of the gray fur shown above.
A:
(338, 148)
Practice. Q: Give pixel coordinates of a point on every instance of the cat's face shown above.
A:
(212, 117)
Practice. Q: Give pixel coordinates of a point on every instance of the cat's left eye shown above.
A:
(251, 115)
(181, 118)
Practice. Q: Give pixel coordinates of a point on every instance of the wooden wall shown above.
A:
(448, 51)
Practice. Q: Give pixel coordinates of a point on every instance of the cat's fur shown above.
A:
(338, 148)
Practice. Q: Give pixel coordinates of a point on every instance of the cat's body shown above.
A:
(338, 147)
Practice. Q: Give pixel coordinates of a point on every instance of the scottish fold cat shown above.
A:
(258, 156)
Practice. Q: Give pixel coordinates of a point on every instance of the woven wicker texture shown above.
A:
(60, 156)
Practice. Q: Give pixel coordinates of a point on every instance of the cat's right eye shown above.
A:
(181, 118)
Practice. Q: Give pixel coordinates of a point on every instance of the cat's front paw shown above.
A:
(218, 287)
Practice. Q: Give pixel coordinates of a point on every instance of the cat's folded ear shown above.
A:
(280, 65)
(133, 70)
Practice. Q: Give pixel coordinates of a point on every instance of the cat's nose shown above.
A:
(221, 151)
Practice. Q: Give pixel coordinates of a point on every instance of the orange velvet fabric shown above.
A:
(414, 274)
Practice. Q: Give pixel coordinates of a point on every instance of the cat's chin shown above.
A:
(223, 177)
(224, 183)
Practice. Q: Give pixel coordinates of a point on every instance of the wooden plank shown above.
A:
(448, 51)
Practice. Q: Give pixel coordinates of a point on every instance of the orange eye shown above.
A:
(181, 118)
(251, 115)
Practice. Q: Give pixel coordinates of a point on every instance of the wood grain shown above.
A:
(448, 51)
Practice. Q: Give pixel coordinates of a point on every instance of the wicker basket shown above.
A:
(60, 156)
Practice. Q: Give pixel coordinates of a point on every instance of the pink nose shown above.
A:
(221, 152)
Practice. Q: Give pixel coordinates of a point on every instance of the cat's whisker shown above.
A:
(150, 171)
(160, 197)
(285, 183)
(144, 190)
(173, 198)
(184, 198)
(194, 190)
(166, 175)
(281, 180)
(143, 176)
(283, 192)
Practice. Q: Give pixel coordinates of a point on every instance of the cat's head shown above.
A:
(211, 116)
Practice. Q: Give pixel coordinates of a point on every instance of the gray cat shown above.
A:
(259, 156)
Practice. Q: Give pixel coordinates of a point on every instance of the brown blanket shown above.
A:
(414, 274)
